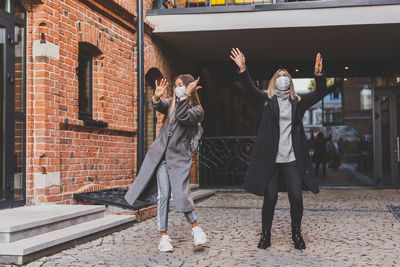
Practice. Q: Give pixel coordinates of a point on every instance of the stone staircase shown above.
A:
(30, 232)
(198, 194)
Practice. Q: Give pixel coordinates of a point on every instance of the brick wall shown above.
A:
(63, 155)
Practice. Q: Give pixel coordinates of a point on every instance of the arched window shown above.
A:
(85, 79)
(13, 103)
(150, 118)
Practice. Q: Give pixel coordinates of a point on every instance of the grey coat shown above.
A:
(173, 141)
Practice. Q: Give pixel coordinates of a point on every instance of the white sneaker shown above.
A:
(165, 244)
(199, 237)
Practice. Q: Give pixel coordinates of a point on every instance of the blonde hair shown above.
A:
(272, 87)
(194, 99)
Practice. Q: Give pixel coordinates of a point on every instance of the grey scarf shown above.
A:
(282, 94)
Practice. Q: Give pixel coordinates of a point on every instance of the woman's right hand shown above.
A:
(160, 89)
(238, 58)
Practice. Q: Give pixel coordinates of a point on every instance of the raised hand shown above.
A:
(238, 57)
(192, 87)
(318, 65)
(160, 89)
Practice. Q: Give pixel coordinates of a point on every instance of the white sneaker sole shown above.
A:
(166, 250)
(202, 242)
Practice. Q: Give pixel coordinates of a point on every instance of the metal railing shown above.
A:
(211, 3)
(268, 4)
(223, 161)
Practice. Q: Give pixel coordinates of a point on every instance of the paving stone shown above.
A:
(340, 227)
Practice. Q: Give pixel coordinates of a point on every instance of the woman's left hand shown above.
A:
(318, 65)
(192, 87)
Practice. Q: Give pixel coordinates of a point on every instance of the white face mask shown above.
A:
(179, 91)
(282, 83)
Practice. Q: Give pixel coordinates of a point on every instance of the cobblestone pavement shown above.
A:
(340, 227)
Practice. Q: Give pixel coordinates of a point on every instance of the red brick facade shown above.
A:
(63, 155)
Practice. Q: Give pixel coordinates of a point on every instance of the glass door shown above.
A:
(6, 182)
(12, 104)
(386, 137)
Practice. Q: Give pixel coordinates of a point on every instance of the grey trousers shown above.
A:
(163, 198)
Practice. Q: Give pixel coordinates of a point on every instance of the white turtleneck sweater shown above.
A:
(285, 149)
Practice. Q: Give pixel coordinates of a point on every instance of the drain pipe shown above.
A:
(140, 84)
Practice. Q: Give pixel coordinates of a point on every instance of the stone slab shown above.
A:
(198, 195)
(194, 186)
(34, 216)
(38, 243)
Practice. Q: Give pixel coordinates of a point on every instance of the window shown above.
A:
(366, 98)
(19, 112)
(85, 80)
(5, 5)
(87, 52)
(150, 118)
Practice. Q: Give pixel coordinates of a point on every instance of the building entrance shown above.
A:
(386, 136)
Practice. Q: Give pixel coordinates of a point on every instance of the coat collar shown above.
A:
(294, 107)
(275, 106)
(172, 122)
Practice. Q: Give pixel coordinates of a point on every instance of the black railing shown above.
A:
(209, 3)
(223, 161)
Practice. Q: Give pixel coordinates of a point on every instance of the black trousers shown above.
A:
(294, 186)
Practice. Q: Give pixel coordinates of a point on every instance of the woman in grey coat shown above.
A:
(167, 164)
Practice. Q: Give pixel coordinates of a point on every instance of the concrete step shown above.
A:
(28, 249)
(198, 195)
(194, 187)
(202, 193)
(31, 221)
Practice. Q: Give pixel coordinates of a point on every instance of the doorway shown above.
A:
(12, 104)
(386, 137)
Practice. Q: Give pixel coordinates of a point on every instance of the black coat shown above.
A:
(263, 157)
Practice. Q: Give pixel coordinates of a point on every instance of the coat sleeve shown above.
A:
(186, 115)
(161, 106)
(310, 99)
(255, 93)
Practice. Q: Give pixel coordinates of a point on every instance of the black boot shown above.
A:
(297, 238)
(265, 240)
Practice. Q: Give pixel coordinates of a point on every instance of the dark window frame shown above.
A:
(87, 53)
(88, 58)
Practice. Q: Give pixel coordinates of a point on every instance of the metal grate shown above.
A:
(112, 197)
(223, 161)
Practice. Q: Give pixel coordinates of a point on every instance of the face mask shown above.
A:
(282, 83)
(179, 91)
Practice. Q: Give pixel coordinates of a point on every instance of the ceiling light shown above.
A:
(346, 68)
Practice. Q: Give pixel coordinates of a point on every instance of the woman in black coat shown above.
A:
(280, 155)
